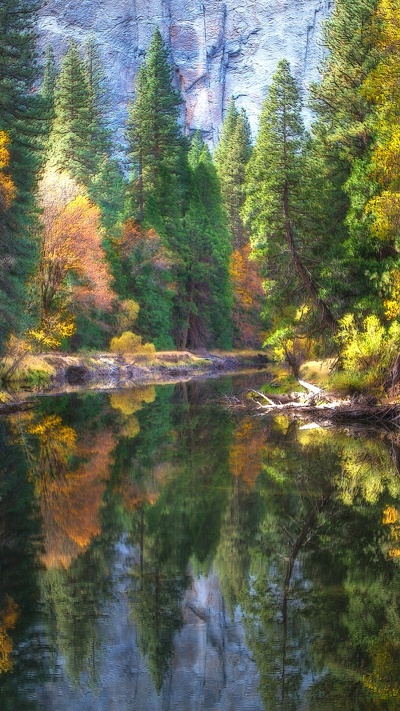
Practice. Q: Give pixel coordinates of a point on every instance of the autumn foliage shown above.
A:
(72, 271)
(249, 296)
(8, 619)
(245, 456)
(7, 187)
(148, 241)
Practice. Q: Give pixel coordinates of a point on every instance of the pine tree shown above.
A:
(20, 122)
(49, 76)
(344, 133)
(274, 207)
(342, 107)
(155, 142)
(98, 102)
(70, 142)
(231, 157)
(204, 296)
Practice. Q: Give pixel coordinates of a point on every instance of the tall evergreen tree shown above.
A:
(204, 297)
(98, 102)
(155, 141)
(20, 122)
(344, 133)
(275, 205)
(231, 157)
(49, 76)
(70, 142)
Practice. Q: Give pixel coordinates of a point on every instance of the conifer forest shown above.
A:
(287, 239)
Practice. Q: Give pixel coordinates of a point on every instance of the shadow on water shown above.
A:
(158, 552)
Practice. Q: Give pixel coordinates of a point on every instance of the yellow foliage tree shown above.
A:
(72, 268)
(383, 88)
(129, 342)
(7, 187)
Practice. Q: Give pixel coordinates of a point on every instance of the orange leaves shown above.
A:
(245, 457)
(72, 264)
(72, 243)
(8, 619)
(71, 506)
(147, 241)
(248, 297)
(7, 187)
(78, 226)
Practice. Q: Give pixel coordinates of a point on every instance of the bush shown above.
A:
(347, 383)
(369, 350)
(130, 342)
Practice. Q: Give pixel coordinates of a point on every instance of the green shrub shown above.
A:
(368, 350)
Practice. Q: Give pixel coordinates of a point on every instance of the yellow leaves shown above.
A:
(130, 342)
(6, 647)
(384, 679)
(366, 472)
(245, 456)
(132, 428)
(7, 187)
(392, 304)
(54, 329)
(8, 620)
(390, 516)
(368, 349)
(385, 211)
(57, 443)
(130, 401)
(51, 429)
(383, 87)
(127, 314)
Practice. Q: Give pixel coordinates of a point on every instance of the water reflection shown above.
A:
(157, 551)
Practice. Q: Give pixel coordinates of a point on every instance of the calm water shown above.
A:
(158, 553)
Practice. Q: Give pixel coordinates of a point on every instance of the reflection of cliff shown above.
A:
(211, 667)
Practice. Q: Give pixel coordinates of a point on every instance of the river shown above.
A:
(159, 552)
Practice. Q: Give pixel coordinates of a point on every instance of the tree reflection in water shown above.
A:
(301, 525)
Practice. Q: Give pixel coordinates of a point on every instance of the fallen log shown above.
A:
(320, 406)
(338, 412)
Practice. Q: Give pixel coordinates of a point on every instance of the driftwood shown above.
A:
(320, 406)
(9, 408)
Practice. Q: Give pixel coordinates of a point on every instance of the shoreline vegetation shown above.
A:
(317, 402)
(55, 373)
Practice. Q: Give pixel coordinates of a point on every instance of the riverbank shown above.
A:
(54, 373)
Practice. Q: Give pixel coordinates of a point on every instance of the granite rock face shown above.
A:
(219, 48)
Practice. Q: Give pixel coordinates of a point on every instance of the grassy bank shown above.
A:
(50, 370)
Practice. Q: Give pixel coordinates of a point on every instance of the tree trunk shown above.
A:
(325, 314)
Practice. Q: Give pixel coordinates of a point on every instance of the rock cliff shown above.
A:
(219, 48)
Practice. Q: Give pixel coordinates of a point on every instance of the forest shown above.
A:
(288, 240)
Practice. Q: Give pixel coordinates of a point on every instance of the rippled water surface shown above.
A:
(158, 552)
